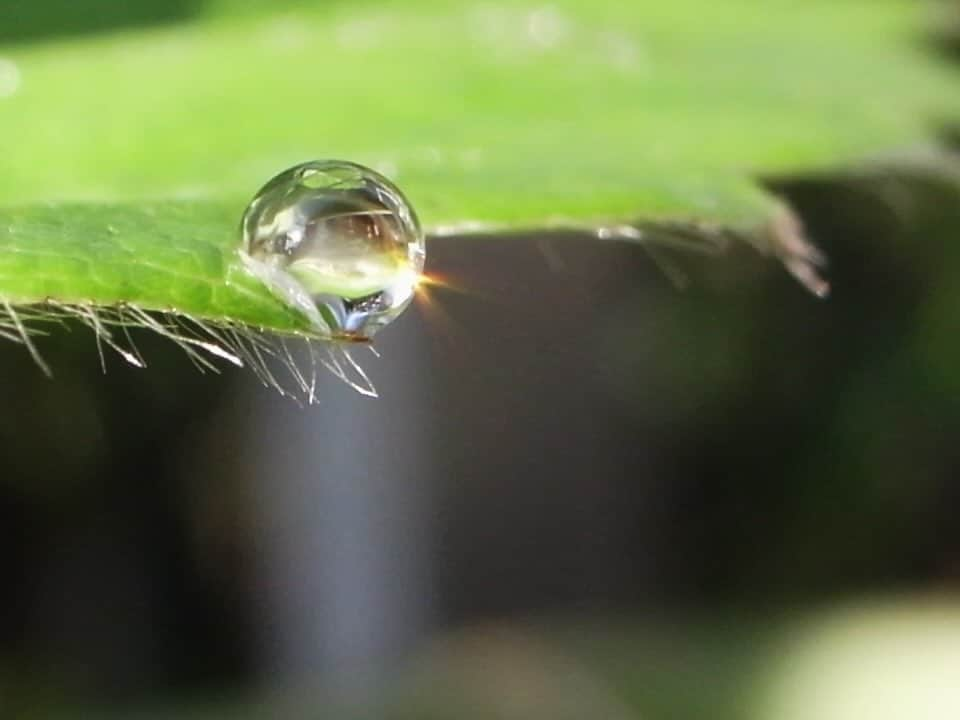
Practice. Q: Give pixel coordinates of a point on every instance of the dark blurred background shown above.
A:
(583, 492)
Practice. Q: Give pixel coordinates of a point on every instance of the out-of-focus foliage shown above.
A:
(506, 112)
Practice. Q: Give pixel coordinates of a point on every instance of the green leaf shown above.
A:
(131, 155)
(503, 113)
(168, 257)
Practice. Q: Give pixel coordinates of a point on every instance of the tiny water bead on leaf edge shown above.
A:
(339, 242)
(327, 251)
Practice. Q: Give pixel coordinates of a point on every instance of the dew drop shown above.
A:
(342, 236)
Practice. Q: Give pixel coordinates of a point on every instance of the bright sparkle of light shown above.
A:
(428, 281)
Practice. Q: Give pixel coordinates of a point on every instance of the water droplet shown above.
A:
(340, 238)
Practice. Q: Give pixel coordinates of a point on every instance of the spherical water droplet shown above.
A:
(346, 236)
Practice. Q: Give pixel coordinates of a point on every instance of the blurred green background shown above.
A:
(583, 492)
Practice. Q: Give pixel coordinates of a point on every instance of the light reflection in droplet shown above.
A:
(340, 242)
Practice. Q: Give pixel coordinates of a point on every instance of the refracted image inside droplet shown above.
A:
(346, 235)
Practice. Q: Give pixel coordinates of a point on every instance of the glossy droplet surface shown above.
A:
(345, 235)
